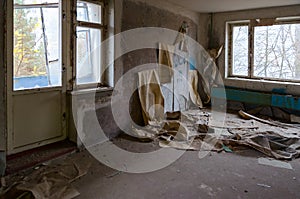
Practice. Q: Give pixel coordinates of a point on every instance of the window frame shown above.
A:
(99, 26)
(60, 58)
(230, 26)
(252, 23)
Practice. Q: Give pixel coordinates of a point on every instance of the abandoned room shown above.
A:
(149, 99)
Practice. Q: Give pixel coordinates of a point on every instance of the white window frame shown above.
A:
(102, 27)
(60, 58)
(229, 44)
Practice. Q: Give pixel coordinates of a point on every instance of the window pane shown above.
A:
(89, 12)
(88, 55)
(31, 48)
(277, 51)
(51, 16)
(240, 50)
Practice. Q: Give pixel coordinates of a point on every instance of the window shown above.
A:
(89, 35)
(240, 50)
(36, 44)
(265, 49)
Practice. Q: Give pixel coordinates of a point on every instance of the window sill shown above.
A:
(95, 91)
(292, 88)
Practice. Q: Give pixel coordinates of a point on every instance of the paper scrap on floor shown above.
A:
(274, 163)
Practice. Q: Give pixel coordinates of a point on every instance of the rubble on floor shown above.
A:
(48, 181)
(198, 130)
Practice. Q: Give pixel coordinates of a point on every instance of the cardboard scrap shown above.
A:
(268, 143)
(151, 97)
(197, 130)
(176, 129)
(173, 115)
(193, 88)
(50, 182)
(143, 134)
(166, 63)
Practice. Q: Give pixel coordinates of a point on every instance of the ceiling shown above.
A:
(205, 6)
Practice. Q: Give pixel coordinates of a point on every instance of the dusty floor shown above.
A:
(38, 155)
(219, 175)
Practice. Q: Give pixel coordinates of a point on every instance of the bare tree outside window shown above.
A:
(276, 51)
(240, 50)
(28, 47)
(36, 44)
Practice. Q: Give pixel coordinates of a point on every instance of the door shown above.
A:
(35, 92)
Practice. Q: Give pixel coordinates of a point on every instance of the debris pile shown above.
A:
(199, 130)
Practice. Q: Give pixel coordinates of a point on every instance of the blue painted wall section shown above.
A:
(255, 97)
(286, 101)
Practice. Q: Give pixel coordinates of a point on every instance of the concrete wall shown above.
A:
(204, 30)
(89, 118)
(219, 21)
(170, 8)
(2, 92)
(137, 14)
(202, 20)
